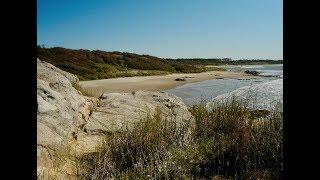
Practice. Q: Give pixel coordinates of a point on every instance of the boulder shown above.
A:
(116, 111)
(61, 111)
(70, 124)
(254, 73)
(180, 79)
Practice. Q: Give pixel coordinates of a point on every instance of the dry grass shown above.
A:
(226, 143)
(87, 92)
(136, 153)
(229, 143)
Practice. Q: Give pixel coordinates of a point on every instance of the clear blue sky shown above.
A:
(165, 28)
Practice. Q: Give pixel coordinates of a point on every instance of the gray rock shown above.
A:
(254, 73)
(62, 111)
(119, 110)
(72, 124)
(180, 79)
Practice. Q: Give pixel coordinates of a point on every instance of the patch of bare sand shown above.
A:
(153, 83)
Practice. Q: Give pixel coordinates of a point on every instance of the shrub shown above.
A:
(90, 65)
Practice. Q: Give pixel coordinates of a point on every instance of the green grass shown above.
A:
(228, 141)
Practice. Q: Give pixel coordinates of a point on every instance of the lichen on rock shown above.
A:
(70, 123)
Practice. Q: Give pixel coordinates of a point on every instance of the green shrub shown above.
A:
(91, 65)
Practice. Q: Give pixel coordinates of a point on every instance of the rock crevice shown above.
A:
(66, 119)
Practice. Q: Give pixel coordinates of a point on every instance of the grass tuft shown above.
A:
(229, 141)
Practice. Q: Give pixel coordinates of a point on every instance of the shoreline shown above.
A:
(153, 83)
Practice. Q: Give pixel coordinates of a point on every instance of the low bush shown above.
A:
(91, 65)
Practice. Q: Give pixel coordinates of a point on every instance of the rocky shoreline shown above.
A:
(73, 124)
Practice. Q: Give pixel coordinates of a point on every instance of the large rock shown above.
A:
(70, 124)
(120, 110)
(62, 111)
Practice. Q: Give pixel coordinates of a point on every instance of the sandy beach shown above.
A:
(152, 83)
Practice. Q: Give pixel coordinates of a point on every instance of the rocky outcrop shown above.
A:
(61, 111)
(180, 79)
(72, 124)
(254, 73)
(118, 110)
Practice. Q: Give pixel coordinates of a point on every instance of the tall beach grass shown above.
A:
(228, 141)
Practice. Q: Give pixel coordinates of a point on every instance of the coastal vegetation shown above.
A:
(225, 61)
(89, 65)
(150, 135)
(96, 64)
(228, 141)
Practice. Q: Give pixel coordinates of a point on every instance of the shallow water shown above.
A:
(205, 91)
(267, 70)
(267, 96)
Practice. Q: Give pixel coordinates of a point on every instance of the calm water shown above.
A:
(204, 91)
(267, 70)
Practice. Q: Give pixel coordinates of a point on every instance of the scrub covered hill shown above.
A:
(224, 61)
(97, 64)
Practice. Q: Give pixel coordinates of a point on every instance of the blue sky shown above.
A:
(165, 28)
